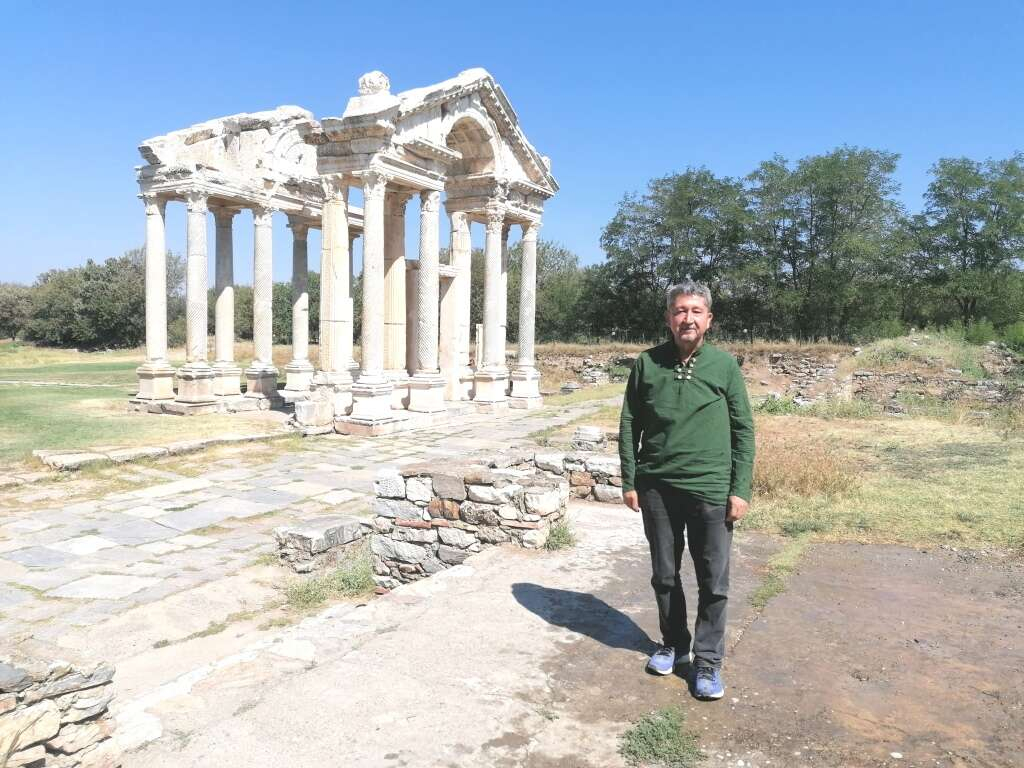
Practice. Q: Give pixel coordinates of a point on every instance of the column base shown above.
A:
(227, 380)
(490, 385)
(195, 383)
(298, 376)
(261, 381)
(339, 387)
(399, 379)
(525, 389)
(426, 393)
(156, 381)
(371, 401)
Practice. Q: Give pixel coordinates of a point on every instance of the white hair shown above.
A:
(687, 287)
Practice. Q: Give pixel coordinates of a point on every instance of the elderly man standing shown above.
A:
(686, 441)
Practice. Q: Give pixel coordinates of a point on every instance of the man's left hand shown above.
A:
(735, 509)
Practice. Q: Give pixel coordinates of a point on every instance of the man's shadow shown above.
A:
(584, 614)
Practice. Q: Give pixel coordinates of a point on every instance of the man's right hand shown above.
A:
(631, 500)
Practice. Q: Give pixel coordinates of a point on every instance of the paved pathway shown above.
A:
(70, 561)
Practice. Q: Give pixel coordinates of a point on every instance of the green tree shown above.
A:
(15, 309)
(975, 216)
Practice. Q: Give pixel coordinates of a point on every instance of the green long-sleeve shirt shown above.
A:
(688, 426)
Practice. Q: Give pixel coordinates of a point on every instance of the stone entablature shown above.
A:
(461, 138)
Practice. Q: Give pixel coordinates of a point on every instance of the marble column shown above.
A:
(525, 378)
(227, 376)
(261, 375)
(491, 378)
(462, 260)
(299, 371)
(353, 366)
(195, 378)
(503, 298)
(372, 392)
(426, 389)
(395, 347)
(156, 375)
(334, 372)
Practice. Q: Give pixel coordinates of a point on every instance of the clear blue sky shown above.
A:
(614, 93)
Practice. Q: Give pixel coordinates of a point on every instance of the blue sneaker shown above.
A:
(665, 660)
(708, 684)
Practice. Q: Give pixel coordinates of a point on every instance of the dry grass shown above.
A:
(790, 463)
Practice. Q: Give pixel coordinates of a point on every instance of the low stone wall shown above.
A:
(318, 545)
(872, 385)
(428, 518)
(55, 715)
(594, 476)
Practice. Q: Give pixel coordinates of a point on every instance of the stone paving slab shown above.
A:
(40, 557)
(131, 531)
(104, 587)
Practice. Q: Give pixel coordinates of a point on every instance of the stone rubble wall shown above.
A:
(55, 715)
(318, 545)
(871, 385)
(804, 372)
(428, 518)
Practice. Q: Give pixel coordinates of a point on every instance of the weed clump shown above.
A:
(791, 467)
(352, 577)
(658, 738)
(560, 536)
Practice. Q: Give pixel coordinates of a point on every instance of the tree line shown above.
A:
(812, 249)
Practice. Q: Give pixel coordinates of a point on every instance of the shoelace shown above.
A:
(705, 673)
(666, 650)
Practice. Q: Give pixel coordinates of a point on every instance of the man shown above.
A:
(686, 442)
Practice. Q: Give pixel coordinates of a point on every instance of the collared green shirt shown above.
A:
(688, 426)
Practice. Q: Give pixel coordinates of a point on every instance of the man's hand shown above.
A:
(631, 500)
(735, 509)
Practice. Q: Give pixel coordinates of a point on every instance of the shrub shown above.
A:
(1013, 336)
(980, 332)
(658, 738)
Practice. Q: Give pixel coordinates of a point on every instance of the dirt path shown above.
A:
(535, 659)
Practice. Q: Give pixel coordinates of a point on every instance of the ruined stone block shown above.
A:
(451, 555)
(402, 510)
(389, 484)
(445, 508)
(608, 493)
(450, 487)
(479, 514)
(419, 489)
(456, 538)
(400, 551)
(550, 462)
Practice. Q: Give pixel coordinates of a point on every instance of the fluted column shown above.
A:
(372, 393)
(426, 390)
(394, 285)
(525, 378)
(226, 374)
(503, 298)
(299, 371)
(491, 379)
(350, 305)
(261, 376)
(462, 260)
(156, 375)
(195, 378)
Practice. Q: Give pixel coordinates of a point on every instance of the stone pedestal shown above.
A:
(156, 381)
(426, 393)
(195, 383)
(371, 401)
(298, 375)
(525, 389)
(399, 388)
(227, 380)
(490, 385)
(261, 382)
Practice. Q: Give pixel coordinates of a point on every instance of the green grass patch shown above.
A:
(660, 738)
(931, 350)
(560, 536)
(352, 577)
(780, 566)
(823, 408)
(585, 394)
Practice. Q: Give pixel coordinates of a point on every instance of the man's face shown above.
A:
(689, 319)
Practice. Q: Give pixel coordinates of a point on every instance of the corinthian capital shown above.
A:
(154, 204)
(375, 184)
(299, 227)
(495, 220)
(195, 201)
(335, 188)
(262, 215)
(430, 201)
(530, 230)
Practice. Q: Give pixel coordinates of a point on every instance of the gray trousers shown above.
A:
(667, 512)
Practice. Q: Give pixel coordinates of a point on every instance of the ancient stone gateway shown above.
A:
(460, 137)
